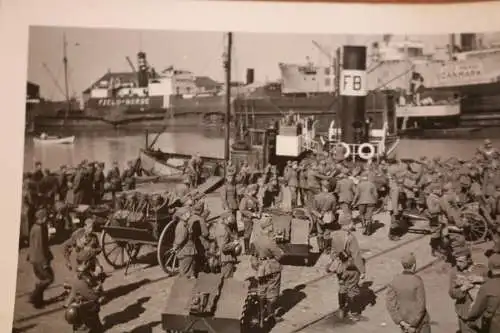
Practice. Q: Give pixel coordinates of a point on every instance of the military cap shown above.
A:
(494, 263)
(89, 221)
(408, 260)
(41, 214)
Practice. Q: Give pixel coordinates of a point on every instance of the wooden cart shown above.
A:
(478, 229)
(291, 232)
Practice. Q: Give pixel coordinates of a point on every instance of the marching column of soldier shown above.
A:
(328, 189)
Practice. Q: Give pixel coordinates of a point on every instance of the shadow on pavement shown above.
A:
(119, 291)
(23, 329)
(131, 312)
(146, 328)
(366, 297)
(290, 298)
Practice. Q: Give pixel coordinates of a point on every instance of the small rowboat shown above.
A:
(54, 140)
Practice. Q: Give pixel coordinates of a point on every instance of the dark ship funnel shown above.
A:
(250, 75)
(468, 42)
(142, 73)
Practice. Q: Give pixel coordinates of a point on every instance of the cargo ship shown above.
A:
(453, 89)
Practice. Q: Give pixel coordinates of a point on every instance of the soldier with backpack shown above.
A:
(348, 264)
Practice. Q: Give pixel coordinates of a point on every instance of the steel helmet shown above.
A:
(237, 250)
(72, 314)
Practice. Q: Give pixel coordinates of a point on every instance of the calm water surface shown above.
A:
(124, 146)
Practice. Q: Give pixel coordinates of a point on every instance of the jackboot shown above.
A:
(342, 305)
(435, 247)
(321, 244)
(246, 242)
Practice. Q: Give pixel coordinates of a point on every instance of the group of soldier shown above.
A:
(327, 190)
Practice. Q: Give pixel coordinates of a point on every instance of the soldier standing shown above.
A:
(249, 209)
(62, 183)
(292, 181)
(265, 261)
(40, 257)
(226, 243)
(184, 246)
(323, 208)
(487, 303)
(435, 209)
(345, 193)
(394, 194)
(82, 239)
(230, 200)
(85, 297)
(461, 281)
(365, 198)
(348, 264)
(405, 300)
(99, 181)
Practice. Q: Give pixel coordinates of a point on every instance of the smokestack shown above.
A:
(250, 75)
(468, 42)
(142, 72)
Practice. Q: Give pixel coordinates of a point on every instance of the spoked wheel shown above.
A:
(117, 253)
(167, 258)
(477, 230)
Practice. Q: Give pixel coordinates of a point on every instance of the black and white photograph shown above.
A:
(229, 181)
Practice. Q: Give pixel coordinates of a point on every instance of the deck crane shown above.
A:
(131, 64)
(331, 61)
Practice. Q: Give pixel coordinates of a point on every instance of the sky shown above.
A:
(92, 52)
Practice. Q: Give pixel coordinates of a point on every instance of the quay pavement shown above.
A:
(135, 301)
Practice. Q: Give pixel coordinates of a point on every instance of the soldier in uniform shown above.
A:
(323, 208)
(303, 182)
(128, 177)
(183, 189)
(249, 210)
(314, 178)
(230, 200)
(292, 181)
(114, 179)
(365, 198)
(99, 181)
(40, 257)
(346, 261)
(394, 194)
(200, 231)
(345, 194)
(435, 211)
(226, 243)
(184, 245)
(230, 169)
(461, 281)
(405, 299)
(486, 306)
(86, 296)
(265, 261)
(83, 239)
(62, 183)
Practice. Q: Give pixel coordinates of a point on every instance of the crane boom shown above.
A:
(324, 51)
(131, 64)
(53, 78)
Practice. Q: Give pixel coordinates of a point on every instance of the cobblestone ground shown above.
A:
(137, 299)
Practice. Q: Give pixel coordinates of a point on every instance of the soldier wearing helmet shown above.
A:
(83, 303)
(323, 208)
(249, 209)
(185, 244)
(83, 239)
(365, 197)
(265, 261)
(227, 244)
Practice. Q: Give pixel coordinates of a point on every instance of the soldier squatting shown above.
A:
(328, 189)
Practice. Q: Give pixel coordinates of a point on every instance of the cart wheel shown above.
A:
(117, 253)
(167, 258)
(478, 227)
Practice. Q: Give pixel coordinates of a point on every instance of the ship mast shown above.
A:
(66, 89)
(227, 118)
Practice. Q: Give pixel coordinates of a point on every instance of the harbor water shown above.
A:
(124, 146)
